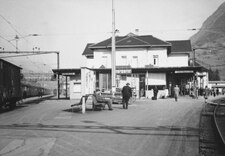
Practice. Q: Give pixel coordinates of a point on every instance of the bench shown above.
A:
(96, 104)
(79, 104)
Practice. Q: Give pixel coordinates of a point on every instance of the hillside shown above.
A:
(210, 42)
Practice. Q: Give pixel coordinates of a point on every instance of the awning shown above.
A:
(168, 69)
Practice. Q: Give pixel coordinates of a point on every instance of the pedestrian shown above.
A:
(176, 92)
(24, 94)
(196, 93)
(206, 93)
(126, 93)
(99, 98)
(141, 93)
(217, 91)
(155, 92)
(214, 93)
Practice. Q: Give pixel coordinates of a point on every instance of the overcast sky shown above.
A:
(68, 25)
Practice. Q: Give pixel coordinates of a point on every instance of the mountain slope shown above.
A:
(211, 38)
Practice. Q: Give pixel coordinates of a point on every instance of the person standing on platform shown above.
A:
(206, 93)
(176, 92)
(155, 92)
(126, 93)
(196, 92)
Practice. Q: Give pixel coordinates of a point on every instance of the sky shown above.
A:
(68, 25)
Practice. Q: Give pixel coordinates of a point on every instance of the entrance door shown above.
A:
(104, 81)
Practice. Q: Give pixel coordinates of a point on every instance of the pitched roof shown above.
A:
(181, 46)
(10, 63)
(87, 50)
(131, 41)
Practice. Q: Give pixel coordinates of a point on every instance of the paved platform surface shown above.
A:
(149, 127)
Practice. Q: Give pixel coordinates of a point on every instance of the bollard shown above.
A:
(83, 104)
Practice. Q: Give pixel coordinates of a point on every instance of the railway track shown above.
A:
(219, 120)
(212, 129)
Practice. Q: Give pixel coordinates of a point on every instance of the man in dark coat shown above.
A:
(155, 92)
(127, 93)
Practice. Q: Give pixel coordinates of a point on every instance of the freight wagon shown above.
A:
(10, 86)
(12, 89)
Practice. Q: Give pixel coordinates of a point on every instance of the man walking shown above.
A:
(206, 93)
(127, 93)
(176, 92)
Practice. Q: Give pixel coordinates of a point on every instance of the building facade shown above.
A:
(145, 62)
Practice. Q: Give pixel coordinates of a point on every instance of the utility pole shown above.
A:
(16, 38)
(194, 57)
(113, 57)
(58, 75)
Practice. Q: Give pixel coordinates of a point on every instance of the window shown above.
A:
(135, 61)
(155, 60)
(104, 60)
(124, 60)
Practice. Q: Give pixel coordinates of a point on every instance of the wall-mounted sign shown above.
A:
(123, 71)
(184, 71)
(67, 74)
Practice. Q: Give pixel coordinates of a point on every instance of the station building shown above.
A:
(143, 61)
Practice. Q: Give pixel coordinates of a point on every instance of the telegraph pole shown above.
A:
(113, 57)
(194, 57)
(58, 75)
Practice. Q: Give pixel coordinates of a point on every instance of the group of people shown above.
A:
(126, 94)
(206, 93)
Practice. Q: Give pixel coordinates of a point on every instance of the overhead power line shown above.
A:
(7, 41)
(10, 24)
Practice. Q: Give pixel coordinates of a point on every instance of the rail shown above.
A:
(216, 118)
